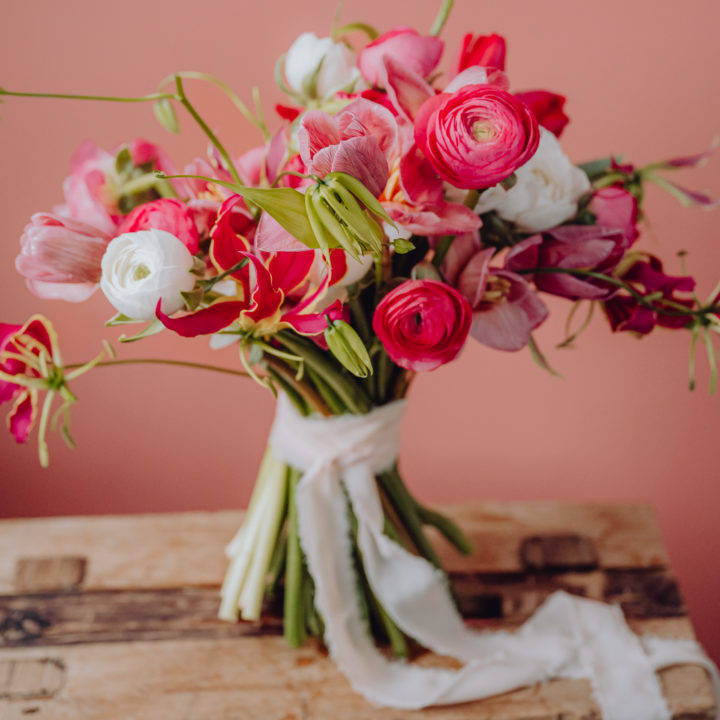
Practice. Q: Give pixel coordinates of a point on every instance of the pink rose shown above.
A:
(483, 50)
(476, 137)
(418, 54)
(60, 257)
(165, 214)
(422, 324)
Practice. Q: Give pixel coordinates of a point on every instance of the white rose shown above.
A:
(140, 268)
(546, 192)
(303, 58)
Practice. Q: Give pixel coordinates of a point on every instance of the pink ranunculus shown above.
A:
(165, 214)
(60, 257)
(484, 50)
(422, 324)
(419, 54)
(505, 309)
(476, 137)
(547, 108)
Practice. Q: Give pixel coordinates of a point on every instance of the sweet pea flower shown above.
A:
(422, 324)
(143, 268)
(419, 54)
(483, 50)
(645, 274)
(60, 257)
(476, 137)
(505, 309)
(319, 67)
(166, 214)
(546, 192)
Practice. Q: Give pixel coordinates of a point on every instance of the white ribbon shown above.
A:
(566, 637)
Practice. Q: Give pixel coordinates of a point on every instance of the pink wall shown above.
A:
(641, 80)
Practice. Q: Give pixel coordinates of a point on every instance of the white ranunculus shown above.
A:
(546, 192)
(140, 268)
(307, 52)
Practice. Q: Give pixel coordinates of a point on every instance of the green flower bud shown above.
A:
(402, 245)
(347, 347)
(165, 115)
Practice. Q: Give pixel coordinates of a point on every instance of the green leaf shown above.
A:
(152, 328)
(165, 115)
(193, 298)
(540, 359)
(595, 169)
(509, 182)
(287, 206)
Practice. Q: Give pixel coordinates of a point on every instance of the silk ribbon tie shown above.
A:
(566, 637)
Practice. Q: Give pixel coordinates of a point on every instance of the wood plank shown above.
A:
(179, 549)
(262, 679)
(190, 613)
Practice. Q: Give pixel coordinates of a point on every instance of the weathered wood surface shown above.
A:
(114, 617)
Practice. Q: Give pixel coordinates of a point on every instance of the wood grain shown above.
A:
(137, 637)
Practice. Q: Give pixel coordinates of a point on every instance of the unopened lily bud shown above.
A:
(347, 347)
(402, 246)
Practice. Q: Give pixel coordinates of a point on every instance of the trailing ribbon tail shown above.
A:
(566, 637)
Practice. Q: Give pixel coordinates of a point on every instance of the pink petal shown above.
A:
(313, 323)
(271, 236)
(418, 179)
(289, 270)
(317, 130)
(406, 90)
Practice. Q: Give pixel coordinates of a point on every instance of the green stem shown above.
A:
(42, 430)
(350, 393)
(204, 127)
(326, 392)
(442, 17)
(100, 98)
(294, 615)
(441, 250)
(447, 528)
(711, 309)
(406, 508)
(161, 361)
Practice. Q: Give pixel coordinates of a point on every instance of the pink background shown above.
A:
(641, 78)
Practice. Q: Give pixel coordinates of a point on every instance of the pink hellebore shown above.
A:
(419, 54)
(165, 214)
(422, 324)
(35, 340)
(646, 276)
(60, 257)
(505, 308)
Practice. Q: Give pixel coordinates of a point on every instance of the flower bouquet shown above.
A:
(391, 215)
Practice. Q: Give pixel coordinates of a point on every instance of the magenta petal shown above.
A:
(313, 323)
(418, 179)
(462, 248)
(473, 278)
(289, 270)
(21, 417)
(525, 255)
(203, 322)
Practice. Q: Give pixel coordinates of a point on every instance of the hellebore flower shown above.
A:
(505, 309)
(60, 257)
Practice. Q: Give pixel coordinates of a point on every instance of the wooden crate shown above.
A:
(113, 618)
